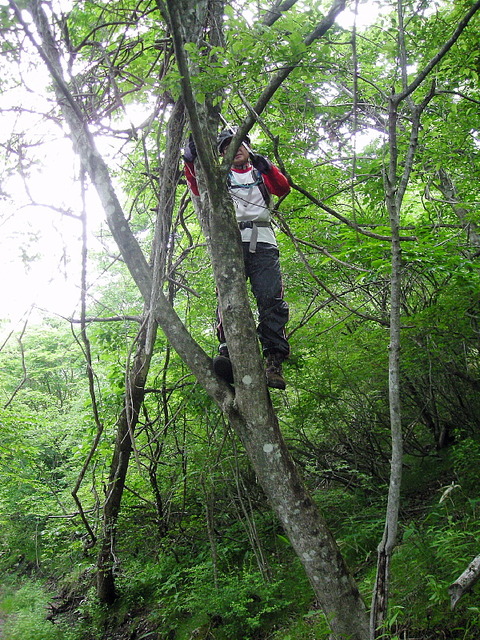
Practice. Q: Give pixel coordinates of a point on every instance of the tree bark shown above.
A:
(449, 192)
(380, 593)
(250, 411)
(126, 424)
(464, 582)
(395, 187)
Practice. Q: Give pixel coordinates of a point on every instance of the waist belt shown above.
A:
(253, 225)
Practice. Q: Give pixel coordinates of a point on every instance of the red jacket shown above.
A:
(250, 201)
(275, 181)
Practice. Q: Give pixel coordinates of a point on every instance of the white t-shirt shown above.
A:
(249, 204)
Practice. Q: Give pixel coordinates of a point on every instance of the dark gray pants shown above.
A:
(262, 268)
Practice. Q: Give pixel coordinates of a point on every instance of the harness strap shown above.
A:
(253, 225)
(257, 176)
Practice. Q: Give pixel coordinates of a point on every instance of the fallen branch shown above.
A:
(464, 582)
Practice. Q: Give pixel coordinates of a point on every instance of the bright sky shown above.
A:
(33, 238)
(40, 252)
(367, 13)
(40, 249)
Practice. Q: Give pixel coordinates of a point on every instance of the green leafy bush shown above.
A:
(241, 602)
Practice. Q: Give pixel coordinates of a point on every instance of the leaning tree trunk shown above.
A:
(141, 364)
(126, 424)
(249, 409)
(464, 582)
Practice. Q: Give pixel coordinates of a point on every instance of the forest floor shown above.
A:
(136, 625)
(142, 629)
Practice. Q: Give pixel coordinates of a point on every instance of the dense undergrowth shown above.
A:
(178, 592)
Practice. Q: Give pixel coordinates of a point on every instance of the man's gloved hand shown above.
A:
(190, 152)
(260, 162)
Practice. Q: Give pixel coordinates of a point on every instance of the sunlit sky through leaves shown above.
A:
(40, 249)
(34, 237)
(41, 205)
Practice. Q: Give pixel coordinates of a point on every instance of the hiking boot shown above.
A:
(275, 379)
(223, 367)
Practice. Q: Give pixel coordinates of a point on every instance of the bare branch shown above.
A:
(337, 7)
(24, 368)
(413, 144)
(459, 93)
(438, 56)
(279, 7)
(345, 220)
(464, 582)
(109, 319)
(90, 376)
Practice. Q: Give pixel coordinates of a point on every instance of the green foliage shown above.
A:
(357, 521)
(244, 603)
(439, 540)
(184, 597)
(26, 607)
(311, 626)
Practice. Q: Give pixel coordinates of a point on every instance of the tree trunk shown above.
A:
(379, 606)
(249, 409)
(135, 387)
(118, 469)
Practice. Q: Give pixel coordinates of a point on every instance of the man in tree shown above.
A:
(252, 181)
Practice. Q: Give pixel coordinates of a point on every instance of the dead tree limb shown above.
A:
(464, 582)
